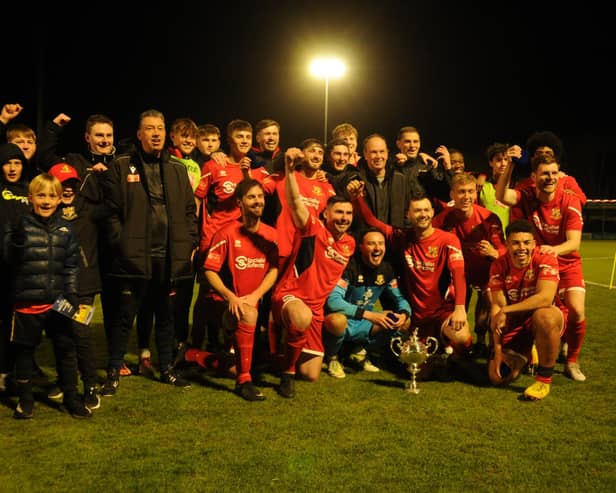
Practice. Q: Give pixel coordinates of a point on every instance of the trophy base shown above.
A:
(411, 388)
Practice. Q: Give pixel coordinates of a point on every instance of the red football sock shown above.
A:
(547, 380)
(574, 336)
(272, 335)
(296, 340)
(244, 340)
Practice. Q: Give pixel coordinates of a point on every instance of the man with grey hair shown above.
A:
(152, 232)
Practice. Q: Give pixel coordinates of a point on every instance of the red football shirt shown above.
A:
(434, 266)
(316, 264)
(216, 190)
(519, 284)
(242, 258)
(314, 195)
(482, 225)
(553, 219)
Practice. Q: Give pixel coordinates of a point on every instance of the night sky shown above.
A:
(466, 75)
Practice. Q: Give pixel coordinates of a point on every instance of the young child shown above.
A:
(13, 203)
(84, 214)
(43, 252)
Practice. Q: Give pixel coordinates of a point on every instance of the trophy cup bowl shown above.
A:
(413, 353)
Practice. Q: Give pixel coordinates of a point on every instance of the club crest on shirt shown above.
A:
(237, 243)
(69, 213)
(556, 214)
(346, 250)
(133, 176)
(529, 275)
(432, 252)
(380, 280)
(331, 253)
(360, 279)
(316, 190)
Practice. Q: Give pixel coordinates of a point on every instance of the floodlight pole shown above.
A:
(326, 68)
(326, 103)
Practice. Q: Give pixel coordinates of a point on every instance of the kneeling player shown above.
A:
(523, 292)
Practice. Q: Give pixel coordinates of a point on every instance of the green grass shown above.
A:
(598, 261)
(363, 433)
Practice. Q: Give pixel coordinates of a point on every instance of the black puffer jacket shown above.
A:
(128, 226)
(44, 259)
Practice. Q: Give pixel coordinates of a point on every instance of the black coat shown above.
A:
(86, 216)
(128, 230)
(395, 192)
(13, 205)
(13, 201)
(47, 157)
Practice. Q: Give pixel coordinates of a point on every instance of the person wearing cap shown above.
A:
(13, 204)
(85, 216)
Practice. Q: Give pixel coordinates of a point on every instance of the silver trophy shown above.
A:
(413, 352)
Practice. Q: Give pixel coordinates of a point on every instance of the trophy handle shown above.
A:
(433, 343)
(395, 344)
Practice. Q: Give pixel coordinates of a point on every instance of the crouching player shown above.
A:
(523, 292)
(351, 307)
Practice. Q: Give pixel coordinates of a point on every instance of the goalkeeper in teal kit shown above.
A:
(350, 310)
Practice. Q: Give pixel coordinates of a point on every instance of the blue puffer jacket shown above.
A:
(44, 259)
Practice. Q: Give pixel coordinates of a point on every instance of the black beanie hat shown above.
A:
(11, 151)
